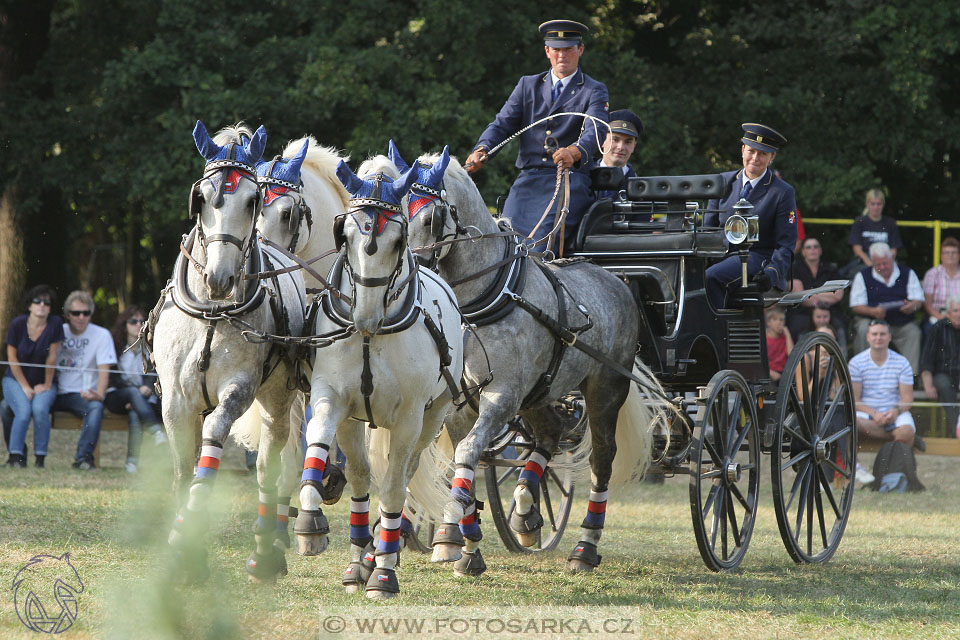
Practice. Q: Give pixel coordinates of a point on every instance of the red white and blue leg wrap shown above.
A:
(283, 514)
(314, 465)
(209, 463)
(389, 533)
(360, 520)
(533, 470)
(267, 504)
(470, 523)
(596, 509)
(406, 526)
(462, 485)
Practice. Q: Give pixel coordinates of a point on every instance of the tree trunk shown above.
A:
(11, 260)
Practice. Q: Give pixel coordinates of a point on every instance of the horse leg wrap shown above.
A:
(268, 566)
(383, 580)
(584, 557)
(470, 523)
(389, 541)
(283, 522)
(461, 488)
(533, 471)
(360, 520)
(470, 564)
(314, 465)
(262, 524)
(596, 509)
(334, 480)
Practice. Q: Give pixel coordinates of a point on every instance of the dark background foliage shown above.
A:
(98, 99)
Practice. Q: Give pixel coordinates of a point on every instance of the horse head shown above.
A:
(286, 218)
(374, 235)
(226, 201)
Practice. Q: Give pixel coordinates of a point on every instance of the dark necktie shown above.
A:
(747, 188)
(557, 88)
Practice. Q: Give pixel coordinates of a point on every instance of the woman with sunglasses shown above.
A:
(131, 391)
(29, 391)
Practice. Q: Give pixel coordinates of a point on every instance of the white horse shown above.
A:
(502, 290)
(395, 357)
(205, 365)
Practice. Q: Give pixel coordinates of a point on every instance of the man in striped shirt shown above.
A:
(883, 388)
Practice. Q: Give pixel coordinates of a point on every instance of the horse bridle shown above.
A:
(379, 208)
(438, 217)
(300, 211)
(246, 172)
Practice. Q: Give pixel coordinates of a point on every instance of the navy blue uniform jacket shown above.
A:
(775, 203)
(529, 102)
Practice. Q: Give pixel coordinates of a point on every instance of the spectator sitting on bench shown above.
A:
(940, 364)
(942, 282)
(84, 362)
(130, 390)
(28, 392)
(882, 382)
(888, 292)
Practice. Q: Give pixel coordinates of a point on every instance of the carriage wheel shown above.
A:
(724, 485)
(814, 455)
(556, 489)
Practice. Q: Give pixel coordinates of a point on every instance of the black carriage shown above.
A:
(713, 366)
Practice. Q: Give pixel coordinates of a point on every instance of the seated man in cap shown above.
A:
(563, 141)
(773, 202)
(618, 146)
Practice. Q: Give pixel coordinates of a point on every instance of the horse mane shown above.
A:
(233, 133)
(323, 161)
(456, 180)
(377, 163)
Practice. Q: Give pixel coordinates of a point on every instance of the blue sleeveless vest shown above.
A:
(877, 293)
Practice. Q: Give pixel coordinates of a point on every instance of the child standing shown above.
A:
(779, 342)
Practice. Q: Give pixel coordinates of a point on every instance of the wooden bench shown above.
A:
(111, 422)
(935, 446)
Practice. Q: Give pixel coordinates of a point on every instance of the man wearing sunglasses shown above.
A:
(83, 373)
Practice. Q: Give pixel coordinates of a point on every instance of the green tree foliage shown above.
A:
(95, 129)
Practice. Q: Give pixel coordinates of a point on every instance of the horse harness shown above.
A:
(410, 289)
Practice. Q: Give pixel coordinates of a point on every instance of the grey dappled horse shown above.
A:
(205, 365)
(393, 363)
(597, 307)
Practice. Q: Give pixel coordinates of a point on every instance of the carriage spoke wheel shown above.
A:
(724, 484)
(556, 491)
(814, 455)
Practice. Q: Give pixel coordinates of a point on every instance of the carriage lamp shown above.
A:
(742, 229)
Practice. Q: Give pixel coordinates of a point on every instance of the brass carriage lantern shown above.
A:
(742, 229)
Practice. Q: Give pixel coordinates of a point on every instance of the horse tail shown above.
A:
(246, 430)
(429, 488)
(635, 424)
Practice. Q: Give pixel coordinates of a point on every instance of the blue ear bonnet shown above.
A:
(248, 152)
(378, 197)
(284, 172)
(428, 176)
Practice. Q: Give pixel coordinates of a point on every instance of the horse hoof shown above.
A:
(470, 565)
(528, 539)
(382, 584)
(443, 552)
(265, 569)
(311, 544)
(584, 558)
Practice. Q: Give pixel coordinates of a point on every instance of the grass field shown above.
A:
(895, 575)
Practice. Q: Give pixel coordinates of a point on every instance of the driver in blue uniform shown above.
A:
(775, 204)
(567, 142)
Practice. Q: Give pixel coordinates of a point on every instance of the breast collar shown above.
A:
(187, 302)
(499, 298)
(399, 319)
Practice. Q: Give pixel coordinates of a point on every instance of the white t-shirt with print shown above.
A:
(78, 355)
